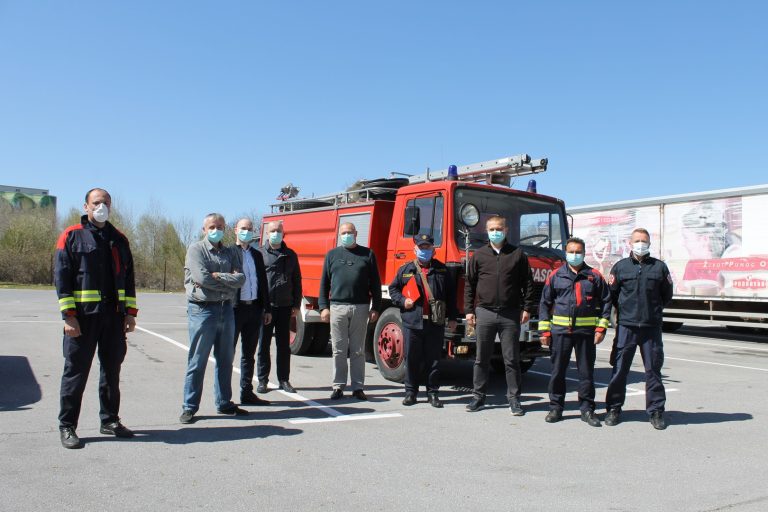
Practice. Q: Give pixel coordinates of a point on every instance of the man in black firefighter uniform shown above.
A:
(97, 298)
(573, 314)
(423, 337)
(641, 286)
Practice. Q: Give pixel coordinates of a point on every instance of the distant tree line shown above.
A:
(28, 240)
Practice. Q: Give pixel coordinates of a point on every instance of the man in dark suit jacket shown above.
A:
(252, 307)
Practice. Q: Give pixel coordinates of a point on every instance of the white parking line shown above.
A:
(333, 414)
(666, 357)
(631, 391)
(708, 344)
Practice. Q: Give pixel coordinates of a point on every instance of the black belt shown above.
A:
(249, 302)
(211, 302)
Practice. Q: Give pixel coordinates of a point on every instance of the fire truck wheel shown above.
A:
(301, 336)
(389, 345)
(322, 336)
(497, 365)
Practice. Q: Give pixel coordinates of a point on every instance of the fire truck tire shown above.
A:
(322, 336)
(301, 336)
(671, 326)
(497, 365)
(389, 345)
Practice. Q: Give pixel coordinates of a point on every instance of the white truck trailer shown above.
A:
(715, 244)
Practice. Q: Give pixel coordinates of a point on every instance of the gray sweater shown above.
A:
(203, 259)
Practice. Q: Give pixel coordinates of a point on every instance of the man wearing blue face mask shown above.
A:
(423, 336)
(498, 297)
(251, 306)
(350, 297)
(211, 281)
(284, 282)
(641, 286)
(573, 314)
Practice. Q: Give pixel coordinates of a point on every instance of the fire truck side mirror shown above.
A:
(412, 220)
(570, 225)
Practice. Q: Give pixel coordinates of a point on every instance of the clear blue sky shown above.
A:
(203, 106)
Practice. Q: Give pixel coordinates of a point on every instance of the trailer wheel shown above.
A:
(301, 336)
(322, 336)
(671, 326)
(389, 345)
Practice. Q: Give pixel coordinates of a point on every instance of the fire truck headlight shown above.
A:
(469, 214)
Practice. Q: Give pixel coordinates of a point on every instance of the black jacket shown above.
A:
(84, 284)
(261, 276)
(441, 283)
(283, 274)
(640, 290)
(499, 281)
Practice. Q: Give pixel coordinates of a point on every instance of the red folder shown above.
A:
(411, 290)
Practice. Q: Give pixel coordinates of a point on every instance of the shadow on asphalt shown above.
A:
(200, 434)
(18, 385)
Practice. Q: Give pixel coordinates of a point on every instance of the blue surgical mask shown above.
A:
(574, 259)
(215, 235)
(424, 254)
(496, 237)
(348, 239)
(245, 236)
(275, 238)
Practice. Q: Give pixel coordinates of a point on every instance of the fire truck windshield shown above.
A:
(530, 222)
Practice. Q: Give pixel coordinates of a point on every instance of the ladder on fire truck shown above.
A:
(492, 172)
(496, 172)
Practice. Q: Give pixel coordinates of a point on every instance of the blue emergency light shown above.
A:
(453, 173)
(531, 186)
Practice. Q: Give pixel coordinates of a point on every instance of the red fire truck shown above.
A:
(452, 205)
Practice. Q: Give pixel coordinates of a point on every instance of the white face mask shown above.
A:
(101, 213)
(641, 248)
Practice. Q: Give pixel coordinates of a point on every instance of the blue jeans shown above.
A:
(211, 325)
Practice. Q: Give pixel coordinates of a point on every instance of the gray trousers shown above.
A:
(506, 324)
(349, 324)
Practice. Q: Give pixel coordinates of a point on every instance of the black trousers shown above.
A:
(422, 356)
(281, 327)
(562, 346)
(507, 325)
(648, 339)
(105, 333)
(248, 321)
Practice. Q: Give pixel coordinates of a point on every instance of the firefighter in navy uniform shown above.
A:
(97, 298)
(574, 313)
(423, 337)
(641, 286)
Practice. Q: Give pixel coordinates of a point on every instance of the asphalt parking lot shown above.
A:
(305, 452)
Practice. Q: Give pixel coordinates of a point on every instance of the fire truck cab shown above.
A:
(452, 206)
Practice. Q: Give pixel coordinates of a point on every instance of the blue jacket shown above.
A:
(574, 302)
(441, 283)
(640, 290)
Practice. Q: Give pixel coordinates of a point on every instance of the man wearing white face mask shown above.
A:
(350, 296)
(284, 281)
(97, 298)
(252, 309)
(574, 313)
(641, 286)
(211, 280)
(423, 336)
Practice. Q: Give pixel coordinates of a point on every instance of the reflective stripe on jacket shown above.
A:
(77, 271)
(575, 301)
